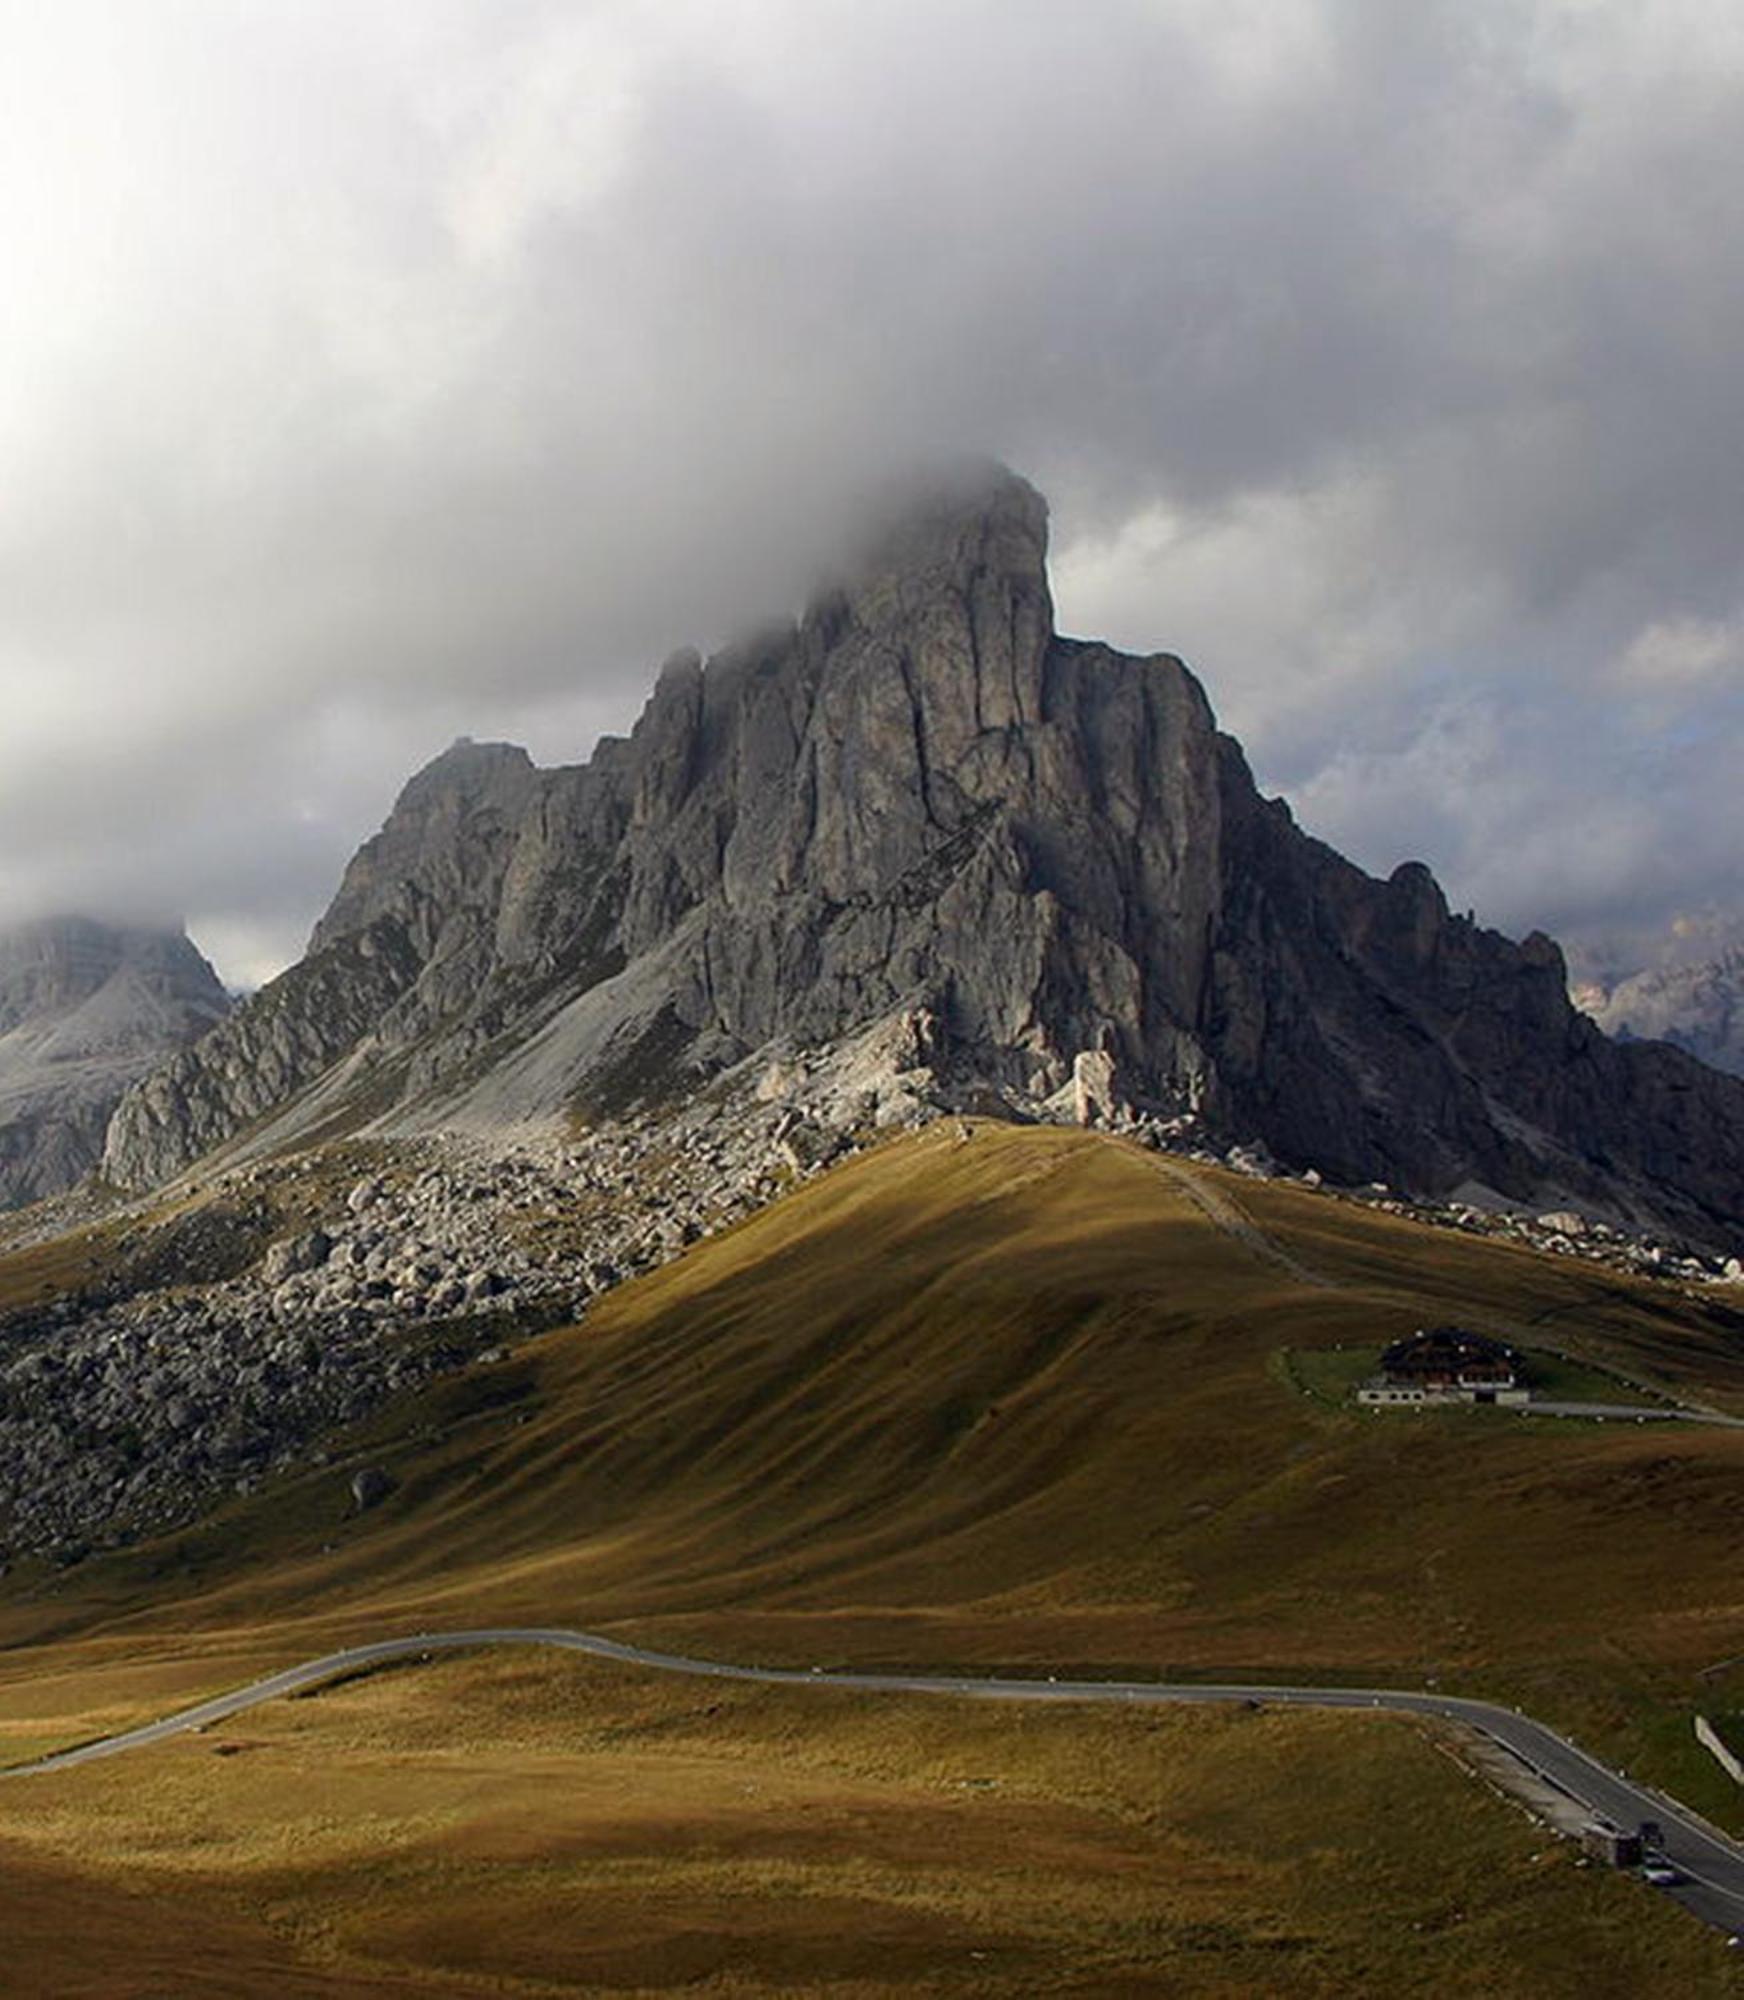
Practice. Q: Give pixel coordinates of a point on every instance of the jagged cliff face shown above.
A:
(85, 1010)
(922, 799)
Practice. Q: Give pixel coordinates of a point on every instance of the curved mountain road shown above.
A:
(1711, 1866)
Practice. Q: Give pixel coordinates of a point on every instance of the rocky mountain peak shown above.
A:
(53, 968)
(1698, 1006)
(441, 848)
(86, 1007)
(466, 769)
(920, 802)
(975, 520)
(965, 561)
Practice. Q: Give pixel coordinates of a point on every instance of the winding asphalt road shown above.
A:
(1629, 1413)
(1712, 1867)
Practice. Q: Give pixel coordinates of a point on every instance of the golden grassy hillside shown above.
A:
(1020, 1400)
(1016, 1400)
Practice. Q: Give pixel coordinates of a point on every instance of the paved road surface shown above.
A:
(1629, 1413)
(1712, 1865)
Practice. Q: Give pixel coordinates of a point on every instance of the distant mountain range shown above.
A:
(1697, 1007)
(86, 1008)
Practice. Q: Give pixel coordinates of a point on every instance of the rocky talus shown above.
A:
(919, 800)
(237, 1337)
(86, 1009)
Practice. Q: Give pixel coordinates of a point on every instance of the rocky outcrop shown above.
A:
(1360, 1027)
(234, 1337)
(918, 801)
(86, 1009)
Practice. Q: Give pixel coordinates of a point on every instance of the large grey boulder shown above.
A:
(292, 1256)
(370, 1486)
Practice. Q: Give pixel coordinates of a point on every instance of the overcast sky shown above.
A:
(377, 371)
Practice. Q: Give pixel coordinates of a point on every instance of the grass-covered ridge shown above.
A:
(1017, 1400)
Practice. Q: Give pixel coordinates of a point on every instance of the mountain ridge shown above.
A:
(918, 801)
(86, 1008)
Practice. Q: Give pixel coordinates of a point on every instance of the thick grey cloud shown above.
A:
(379, 371)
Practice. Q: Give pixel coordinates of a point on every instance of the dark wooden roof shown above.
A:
(1448, 1353)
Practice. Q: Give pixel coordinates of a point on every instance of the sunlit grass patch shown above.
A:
(1015, 1402)
(552, 1823)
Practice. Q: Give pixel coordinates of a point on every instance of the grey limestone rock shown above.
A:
(86, 1009)
(919, 802)
(370, 1486)
(295, 1255)
(1697, 1007)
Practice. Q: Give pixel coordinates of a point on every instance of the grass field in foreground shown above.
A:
(1015, 1401)
(523, 1824)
